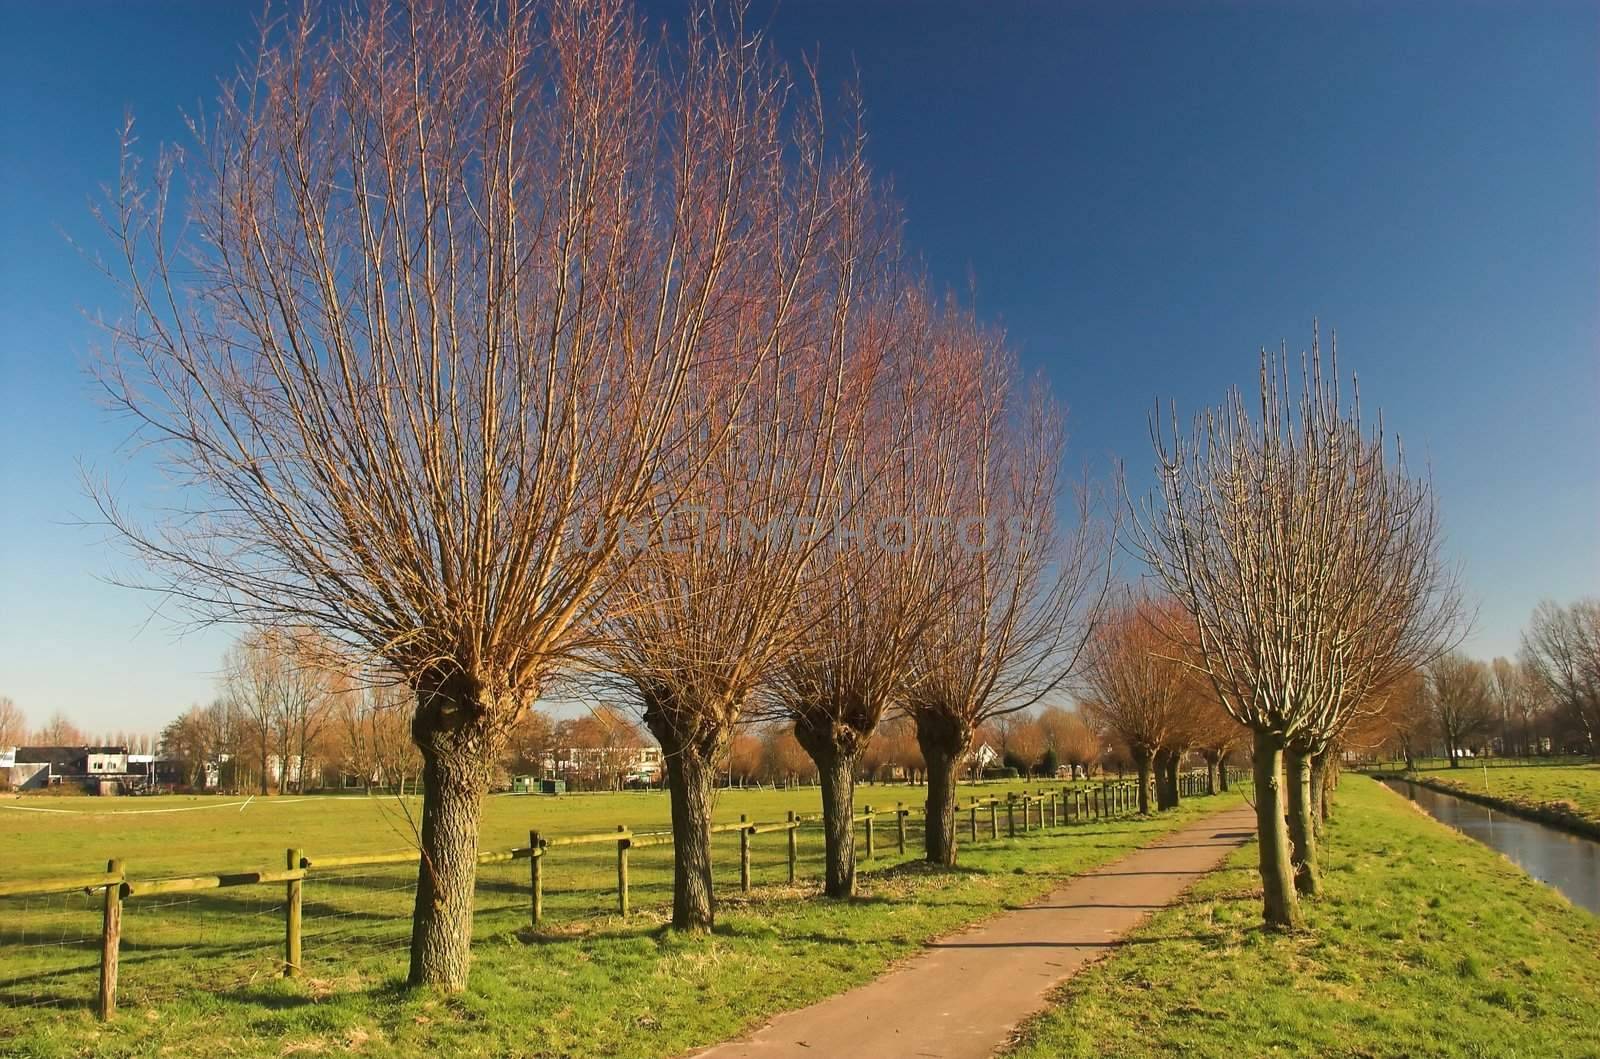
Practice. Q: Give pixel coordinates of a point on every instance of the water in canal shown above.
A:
(1569, 863)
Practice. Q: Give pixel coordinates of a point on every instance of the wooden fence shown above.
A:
(1024, 812)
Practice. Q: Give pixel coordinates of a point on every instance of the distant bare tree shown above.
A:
(1075, 740)
(59, 731)
(447, 275)
(533, 737)
(1562, 647)
(13, 723)
(1309, 562)
(783, 759)
(1518, 697)
(1137, 689)
(1460, 695)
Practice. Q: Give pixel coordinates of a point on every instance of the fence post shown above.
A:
(794, 848)
(535, 878)
(110, 942)
(900, 822)
(973, 821)
(869, 833)
(622, 872)
(744, 854)
(994, 818)
(1011, 814)
(291, 919)
(1053, 818)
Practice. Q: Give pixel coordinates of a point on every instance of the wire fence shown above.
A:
(340, 921)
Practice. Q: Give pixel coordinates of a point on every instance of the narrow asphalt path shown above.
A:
(962, 997)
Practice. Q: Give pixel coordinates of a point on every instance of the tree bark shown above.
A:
(1222, 773)
(455, 731)
(835, 749)
(1141, 761)
(692, 780)
(943, 740)
(1280, 906)
(1319, 791)
(1302, 823)
(1169, 778)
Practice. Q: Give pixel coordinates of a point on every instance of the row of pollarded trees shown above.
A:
(1147, 691)
(517, 354)
(511, 351)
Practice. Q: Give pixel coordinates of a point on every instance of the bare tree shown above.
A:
(1516, 692)
(1024, 593)
(449, 274)
(1309, 563)
(59, 731)
(880, 587)
(1075, 740)
(704, 613)
(13, 723)
(1562, 647)
(533, 737)
(783, 759)
(1138, 690)
(1460, 695)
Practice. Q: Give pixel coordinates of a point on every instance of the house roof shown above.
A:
(62, 755)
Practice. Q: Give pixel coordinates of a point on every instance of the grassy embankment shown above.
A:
(1427, 944)
(199, 972)
(1565, 795)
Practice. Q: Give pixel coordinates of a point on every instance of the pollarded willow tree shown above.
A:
(1024, 590)
(1136, 689)
(712, 600)
(447, 278)
(1308, 561)
(862, 617)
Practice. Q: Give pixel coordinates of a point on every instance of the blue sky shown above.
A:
(1144, 195)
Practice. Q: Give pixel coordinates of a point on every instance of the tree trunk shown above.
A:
(1141, 760)
(1302, 825)
(441, 923)
(1169, 776)
(835, 751)
(1319, 791)
(1280, 907)
(943, 740)
(1222, 773)
(692, 780)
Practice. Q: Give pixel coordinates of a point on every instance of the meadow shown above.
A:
(1427, 943)
(201, 971)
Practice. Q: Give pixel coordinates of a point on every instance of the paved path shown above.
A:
(962, 997)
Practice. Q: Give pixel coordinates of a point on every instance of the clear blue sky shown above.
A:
(1145, 195)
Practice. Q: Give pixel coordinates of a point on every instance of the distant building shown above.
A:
(605, 764)
(36, 767)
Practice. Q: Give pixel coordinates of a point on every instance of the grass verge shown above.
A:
(1427, 944)
(1564, 795)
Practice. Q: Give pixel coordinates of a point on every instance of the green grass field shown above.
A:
(1427, 944)
(1531, 786)
(200, 971)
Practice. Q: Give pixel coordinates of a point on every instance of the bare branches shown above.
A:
(1305, 554)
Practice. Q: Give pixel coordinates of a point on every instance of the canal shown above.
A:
(1567, 862)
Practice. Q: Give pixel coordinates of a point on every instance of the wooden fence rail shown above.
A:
(1041, 809)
